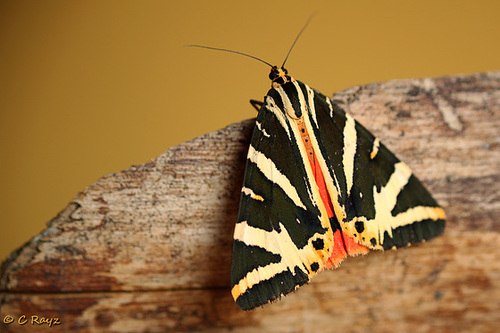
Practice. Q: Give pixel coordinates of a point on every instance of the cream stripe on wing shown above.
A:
(273, 108)
(310, 103)
(413, 215)
(287, 104)
(302, 98)
(416, 214)
(375, 147)
(275, 242)
(350, 139)
(259, 126)
(251, 193)
(384, 203)
(331, 181)
(330, 106)
(386, 199)
(269, 169)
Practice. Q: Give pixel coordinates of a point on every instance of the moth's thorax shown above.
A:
(279, 76)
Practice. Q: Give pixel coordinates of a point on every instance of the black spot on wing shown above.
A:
(318, 244)
(360, 226)
(314, 266)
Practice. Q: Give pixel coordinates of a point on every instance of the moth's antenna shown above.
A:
(225, 50)
(297, 38)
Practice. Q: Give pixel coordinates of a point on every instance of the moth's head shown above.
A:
(279, 76)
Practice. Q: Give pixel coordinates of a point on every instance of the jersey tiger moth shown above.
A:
(318, 187)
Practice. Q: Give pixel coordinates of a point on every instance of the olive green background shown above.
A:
(91, 87)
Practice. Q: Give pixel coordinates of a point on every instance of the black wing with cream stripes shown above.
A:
(283, 235)
(385, 205)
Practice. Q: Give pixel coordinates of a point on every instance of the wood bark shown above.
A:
(148, 249)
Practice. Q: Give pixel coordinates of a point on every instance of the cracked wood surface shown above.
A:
(148, 249)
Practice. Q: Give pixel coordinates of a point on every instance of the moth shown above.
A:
(318, 187)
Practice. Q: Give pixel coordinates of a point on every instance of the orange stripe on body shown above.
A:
(343, 244)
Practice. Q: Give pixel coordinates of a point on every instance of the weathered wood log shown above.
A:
(148, 248)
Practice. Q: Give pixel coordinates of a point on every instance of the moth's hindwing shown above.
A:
(286, 233)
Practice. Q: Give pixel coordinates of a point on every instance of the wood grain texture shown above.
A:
(148, 249)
